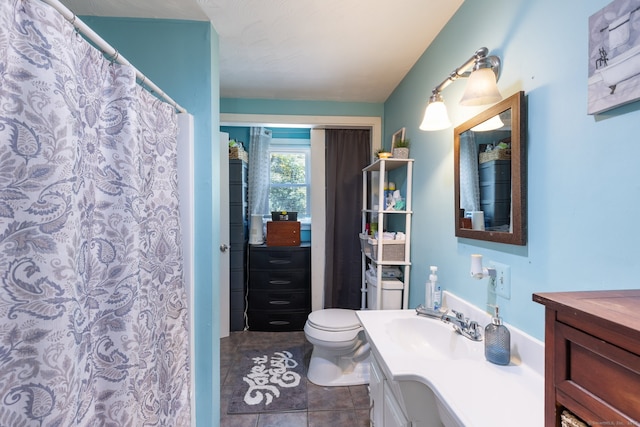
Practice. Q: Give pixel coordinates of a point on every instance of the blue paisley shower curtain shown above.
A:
(93, 316)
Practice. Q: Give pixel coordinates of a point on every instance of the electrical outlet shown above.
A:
(501, 285)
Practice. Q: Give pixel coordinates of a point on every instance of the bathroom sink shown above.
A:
(432, 339)
(424, 360)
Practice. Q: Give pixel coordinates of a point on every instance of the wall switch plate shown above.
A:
(501, 285)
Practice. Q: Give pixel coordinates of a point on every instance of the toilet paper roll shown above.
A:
(477, 220)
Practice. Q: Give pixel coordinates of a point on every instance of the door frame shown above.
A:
(374, 123)
(225, 240)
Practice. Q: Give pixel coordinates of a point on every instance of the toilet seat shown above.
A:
(334, 320)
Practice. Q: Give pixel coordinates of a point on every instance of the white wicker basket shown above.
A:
(392, 250)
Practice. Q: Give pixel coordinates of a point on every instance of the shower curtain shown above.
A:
(93, 316)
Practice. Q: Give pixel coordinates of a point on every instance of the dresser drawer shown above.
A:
(238, 234)
(596, 375)
(238, 213)
(238, 171)
(237, 258)
(236, 300)
(279, 300)
(279, 280)
(277, 321)
(592, 356)
(280, 259)
(237, 321)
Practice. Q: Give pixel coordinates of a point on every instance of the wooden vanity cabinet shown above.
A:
(592, 356)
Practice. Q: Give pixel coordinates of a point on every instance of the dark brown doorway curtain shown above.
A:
(347, 151)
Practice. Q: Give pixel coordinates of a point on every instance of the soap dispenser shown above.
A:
(497, 340)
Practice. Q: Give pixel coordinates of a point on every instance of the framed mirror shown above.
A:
(490, 174)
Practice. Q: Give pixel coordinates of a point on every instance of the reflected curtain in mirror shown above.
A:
(469, 182)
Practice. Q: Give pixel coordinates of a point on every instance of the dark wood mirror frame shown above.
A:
(518, 235)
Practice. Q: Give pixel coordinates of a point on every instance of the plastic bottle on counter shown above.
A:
(437, 290)
(433, 293)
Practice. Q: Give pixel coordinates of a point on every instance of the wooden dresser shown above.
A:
(592, 356)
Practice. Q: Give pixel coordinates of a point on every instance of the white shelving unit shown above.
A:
(383, 166)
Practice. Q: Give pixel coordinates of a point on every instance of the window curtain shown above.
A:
(348, 151)
(93, 315)
(259, 162)
(469, 179)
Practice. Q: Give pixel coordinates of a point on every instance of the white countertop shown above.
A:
(476, 392)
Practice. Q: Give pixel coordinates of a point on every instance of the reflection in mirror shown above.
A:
(485, 172)
(489, 174)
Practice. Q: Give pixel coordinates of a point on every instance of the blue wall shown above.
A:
(238, 133)
(583, 174)
(181, 57)
(241, 133)
(291, 133)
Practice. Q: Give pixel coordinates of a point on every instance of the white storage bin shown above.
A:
(391, 292)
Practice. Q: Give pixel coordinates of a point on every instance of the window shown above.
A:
(289, 178)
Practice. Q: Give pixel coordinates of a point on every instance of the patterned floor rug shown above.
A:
(270, 380)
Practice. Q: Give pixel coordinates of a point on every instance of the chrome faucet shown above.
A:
(421, 310)
(461, 324)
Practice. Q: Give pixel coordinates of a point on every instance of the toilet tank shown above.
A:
(391, 292)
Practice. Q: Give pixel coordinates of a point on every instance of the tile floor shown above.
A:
(327, 406)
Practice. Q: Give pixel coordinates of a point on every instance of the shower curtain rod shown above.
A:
(110, 51)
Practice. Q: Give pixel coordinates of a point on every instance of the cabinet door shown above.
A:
(376, 396)
(393, 416)
(611, 397)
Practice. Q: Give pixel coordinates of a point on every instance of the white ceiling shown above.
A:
(333, 50)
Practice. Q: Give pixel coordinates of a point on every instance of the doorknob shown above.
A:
(224, 247)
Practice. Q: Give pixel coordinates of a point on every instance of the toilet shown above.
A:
(340, 354)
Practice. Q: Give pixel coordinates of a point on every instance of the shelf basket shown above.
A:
(238, 153)
(364, 247)
(503, 154)
(392, 250)
(570, 420)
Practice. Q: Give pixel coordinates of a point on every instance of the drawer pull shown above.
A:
(279, 302)
(279, 261)
(279, 282)
(279, 322)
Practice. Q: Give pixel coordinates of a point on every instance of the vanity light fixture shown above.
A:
(481, 89)
(435, 116)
